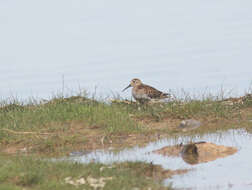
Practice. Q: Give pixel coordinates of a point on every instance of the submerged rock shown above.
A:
(198, 152)
(189, 124)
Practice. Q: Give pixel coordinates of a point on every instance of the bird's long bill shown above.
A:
(126, 87)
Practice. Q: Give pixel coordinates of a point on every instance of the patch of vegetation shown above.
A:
(62, 124)
(18, 173)
(184, 109)
(91, 112)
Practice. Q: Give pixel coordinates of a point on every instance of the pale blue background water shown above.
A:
(168, 44)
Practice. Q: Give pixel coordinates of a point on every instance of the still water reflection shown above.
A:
(232, 171)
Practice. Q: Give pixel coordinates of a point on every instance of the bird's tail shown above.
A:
(167, 95)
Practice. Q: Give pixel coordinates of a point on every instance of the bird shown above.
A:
(144, 93)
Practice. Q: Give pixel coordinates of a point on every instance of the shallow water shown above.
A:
(232, 172)
(168, 44)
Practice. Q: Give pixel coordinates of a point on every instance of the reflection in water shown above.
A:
(190, 154)
(204, 175)
(199, 152)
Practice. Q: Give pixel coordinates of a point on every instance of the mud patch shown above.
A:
(198, 152)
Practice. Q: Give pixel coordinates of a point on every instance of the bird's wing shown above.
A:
(152, 92)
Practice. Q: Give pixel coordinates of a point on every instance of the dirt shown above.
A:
(198, 152)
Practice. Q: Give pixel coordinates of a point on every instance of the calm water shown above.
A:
(169, 44)
(232, 172)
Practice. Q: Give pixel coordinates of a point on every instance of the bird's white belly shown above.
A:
(138, 96)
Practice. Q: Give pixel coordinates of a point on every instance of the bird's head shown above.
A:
(134, 82)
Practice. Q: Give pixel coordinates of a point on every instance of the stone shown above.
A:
(189, 124)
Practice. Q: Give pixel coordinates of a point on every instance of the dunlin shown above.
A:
(144, 93)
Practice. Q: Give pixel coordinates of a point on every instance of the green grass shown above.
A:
(69, 122)
(182, 109)
(112, 118)
(34, 117)
(29, 173)
(62, 125)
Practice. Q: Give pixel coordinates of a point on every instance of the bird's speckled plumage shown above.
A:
(142, 92)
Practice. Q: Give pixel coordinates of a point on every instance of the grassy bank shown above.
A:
(31, 132)
(62, 125)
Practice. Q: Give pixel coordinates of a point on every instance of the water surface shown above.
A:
(232, 172)
(94, 43)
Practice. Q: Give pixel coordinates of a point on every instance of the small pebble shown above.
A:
(189, 124)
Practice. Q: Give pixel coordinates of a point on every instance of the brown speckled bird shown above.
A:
(144, 93)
